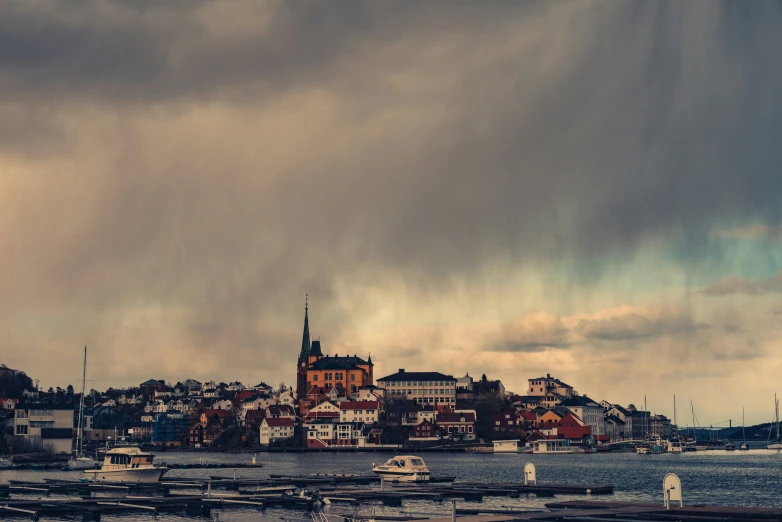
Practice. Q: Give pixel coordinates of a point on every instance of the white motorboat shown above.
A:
(5, 462)
(675, 444)
(80, 460)
(127, 464)
(404, 468)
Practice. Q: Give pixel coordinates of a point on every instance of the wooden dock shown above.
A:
(197, 497)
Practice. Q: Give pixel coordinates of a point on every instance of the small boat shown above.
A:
(5, 462)
(404, 468)
(310, 497)
(79, 459)
(744, 446)
(729, 446)
(127, 464)
(675, 444)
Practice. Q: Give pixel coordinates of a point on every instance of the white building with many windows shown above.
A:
(275, 430)
(422, 387)
(367, 412)
(47, 425)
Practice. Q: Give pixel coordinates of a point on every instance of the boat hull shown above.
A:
(138, 475)
(403, 476)
(775, 446)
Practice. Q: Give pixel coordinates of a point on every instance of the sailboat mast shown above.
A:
(79, 442)
(674, 413)
(743, 433)
(694, 433)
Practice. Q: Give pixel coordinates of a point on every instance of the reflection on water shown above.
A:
(714, 477)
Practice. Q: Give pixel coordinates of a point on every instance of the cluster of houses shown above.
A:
(336, 403)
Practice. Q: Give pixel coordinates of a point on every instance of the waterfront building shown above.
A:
(170, 429)
(359, 411)
(591, 412)
(459, 426)
(620, 430)
(43, 426)
(541, 386)
(323, 411)
(506, 421)
(429, 388)
(275, 430)
(426, 431)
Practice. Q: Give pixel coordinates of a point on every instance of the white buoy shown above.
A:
(530, 476)
(672, 490)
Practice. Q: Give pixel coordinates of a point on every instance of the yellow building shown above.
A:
(346, 373)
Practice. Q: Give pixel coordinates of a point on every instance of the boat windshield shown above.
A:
(392, 462)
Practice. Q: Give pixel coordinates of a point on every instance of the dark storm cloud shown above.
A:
(450, 136)
(740, 285)
(632, 326)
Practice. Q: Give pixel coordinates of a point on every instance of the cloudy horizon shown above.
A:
(589, 189)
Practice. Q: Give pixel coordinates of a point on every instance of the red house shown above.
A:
(572, 428)
(425, 430)
(196, 435)
(252, 420)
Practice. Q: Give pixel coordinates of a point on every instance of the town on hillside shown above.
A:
(336, 403)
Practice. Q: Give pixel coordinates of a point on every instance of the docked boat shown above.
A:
(127, 464)
(729, 446)
(5, 462)
(80, 460)
(404, 468)
(675, 444)
(653, 446)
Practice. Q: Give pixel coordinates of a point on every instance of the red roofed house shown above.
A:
(280, 411)
(425, 432)
(252, 419)
(315, 396)
(506, 421)
(323, 411)
(459, 425)
(573, 429)
(212, 432)
(528, 418)
(196, 435)
(367, 412)
(275, 430)
(8, 404)
(208, 415)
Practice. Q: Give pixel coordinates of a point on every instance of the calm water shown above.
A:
(714, 477)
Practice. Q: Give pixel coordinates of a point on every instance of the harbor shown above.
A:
(483, 487)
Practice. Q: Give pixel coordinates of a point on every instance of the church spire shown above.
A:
(305, 338)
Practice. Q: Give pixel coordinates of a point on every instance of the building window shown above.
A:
(21, 429)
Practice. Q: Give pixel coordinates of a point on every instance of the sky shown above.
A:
(590, 189)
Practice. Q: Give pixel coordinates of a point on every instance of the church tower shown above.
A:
(303, 362)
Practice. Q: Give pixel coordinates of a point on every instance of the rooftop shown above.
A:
(404, 376)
